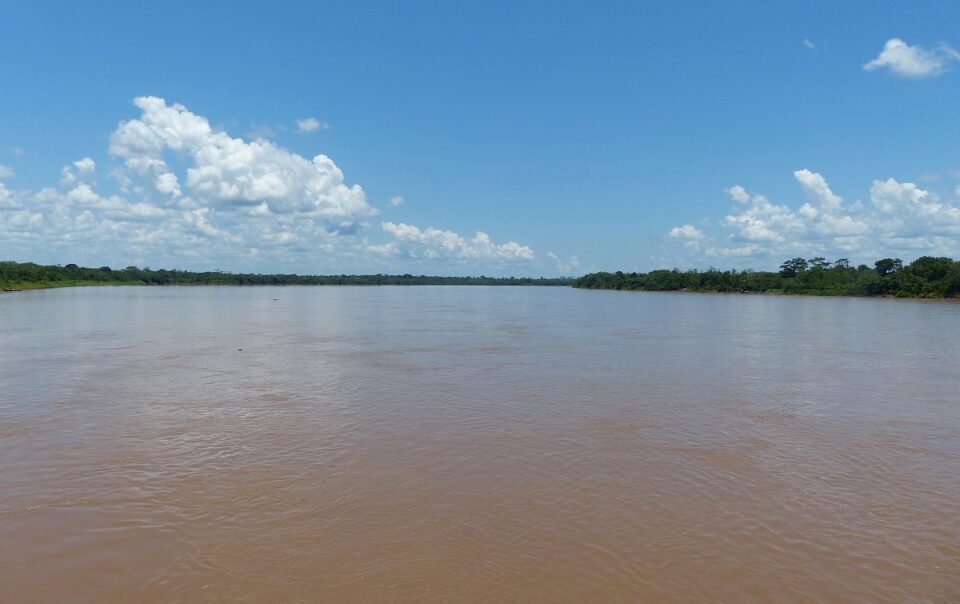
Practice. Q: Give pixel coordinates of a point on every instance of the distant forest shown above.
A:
(26, 275)
(926, 277)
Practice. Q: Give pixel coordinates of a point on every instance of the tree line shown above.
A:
(926, 277)
(27, 275)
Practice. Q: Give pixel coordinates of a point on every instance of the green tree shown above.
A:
(888, 266)
(791, 268)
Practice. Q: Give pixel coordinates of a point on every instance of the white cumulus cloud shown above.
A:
(433, 243)
(185, 194)
(310, 124)
(687, 232)
(690, 235)
(738, 194)
(817, 189)
(81, 171)
(7, 200)
(913, 211)
(230, 173)
(901, 218)
(168, 183)
(913, 61)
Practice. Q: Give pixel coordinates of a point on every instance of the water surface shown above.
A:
(421, 444)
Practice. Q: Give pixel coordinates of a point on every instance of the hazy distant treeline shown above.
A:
(926, 277)
(26, 275)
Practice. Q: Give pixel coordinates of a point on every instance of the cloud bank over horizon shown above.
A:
(900, 220)
(182, 194)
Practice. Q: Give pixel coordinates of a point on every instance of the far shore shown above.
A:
(781, 293)
(23, 287)
(926, 277)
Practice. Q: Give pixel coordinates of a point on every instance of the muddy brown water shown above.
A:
(473, 444)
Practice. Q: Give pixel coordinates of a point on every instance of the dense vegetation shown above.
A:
(926, 277)
(15, 276)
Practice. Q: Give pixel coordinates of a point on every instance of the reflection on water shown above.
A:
(476, 444)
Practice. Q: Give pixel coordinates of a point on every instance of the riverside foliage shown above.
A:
(27, 275)
(926, 277)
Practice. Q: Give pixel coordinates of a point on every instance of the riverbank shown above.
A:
(792, 294)
(780, 292)
(29, 286)
(926, 277)
(20, 287)
(16, 276)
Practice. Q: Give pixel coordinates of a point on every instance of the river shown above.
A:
(476, 444)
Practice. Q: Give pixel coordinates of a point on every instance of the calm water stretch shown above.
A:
(442, 444)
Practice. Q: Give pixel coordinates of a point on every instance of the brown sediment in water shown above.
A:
(455, 444)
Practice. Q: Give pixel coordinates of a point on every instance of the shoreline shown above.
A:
(779, 293)
(24, 287)
(15, 276)
(926, 277)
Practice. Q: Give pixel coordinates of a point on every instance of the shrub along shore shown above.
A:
(926, 277)
(16, 276)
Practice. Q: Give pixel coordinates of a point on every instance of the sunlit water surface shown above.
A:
(443, 444)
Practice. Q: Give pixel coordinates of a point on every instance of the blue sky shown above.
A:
(573, 136)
